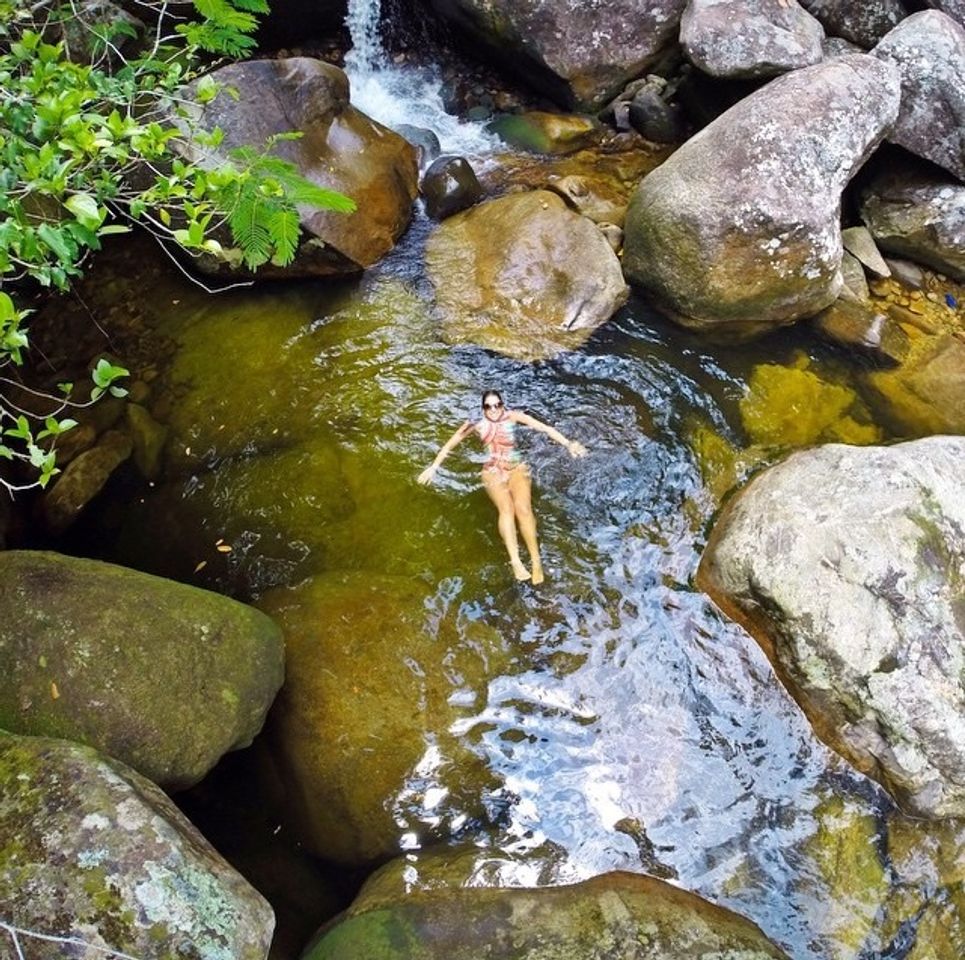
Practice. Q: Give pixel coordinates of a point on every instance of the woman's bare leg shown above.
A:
(498, 491)
(520, 488)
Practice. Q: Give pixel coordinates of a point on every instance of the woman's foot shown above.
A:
(537, 572)
(519, 571)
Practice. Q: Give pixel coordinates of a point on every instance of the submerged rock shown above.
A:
(579, 53)
(739, 231)
(919, 215)
(94, 852)
(361, 731)
(164, 677)
(863, 330)
(790, 406)
(83, 479)
(541, 132)
(863, 23)
(341, 149)
(734, 39)
(850, 563)
(616, 916)
(926, 394)
(929, 51)
(523, 275)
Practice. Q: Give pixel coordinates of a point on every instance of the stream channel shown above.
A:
(616, 719)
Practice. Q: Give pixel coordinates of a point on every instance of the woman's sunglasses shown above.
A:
(493, 406)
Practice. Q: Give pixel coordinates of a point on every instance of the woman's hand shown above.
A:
(425, 478)
(576, 449)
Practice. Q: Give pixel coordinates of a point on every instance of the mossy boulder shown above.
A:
(91, 850)
(541, 132)
(163, 676)
(361, 731)
(616, 916)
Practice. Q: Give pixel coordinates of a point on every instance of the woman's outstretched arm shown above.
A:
(574, 446)
(447, 448)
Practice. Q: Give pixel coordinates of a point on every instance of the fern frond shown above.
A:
(249, 228)
(284, 228)
(252, 6)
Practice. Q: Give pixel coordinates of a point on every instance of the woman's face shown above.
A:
(492, 406)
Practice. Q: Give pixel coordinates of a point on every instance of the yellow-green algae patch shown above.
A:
(791, 406)
(854, 880)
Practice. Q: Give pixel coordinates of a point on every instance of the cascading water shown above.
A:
(401, 95)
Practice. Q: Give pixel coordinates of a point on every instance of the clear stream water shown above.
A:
(633, 726)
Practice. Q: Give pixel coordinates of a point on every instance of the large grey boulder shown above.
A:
(738, 40)
(851, 563)
(864, 22)
(94, 853)
(954, 8)
(929, 51)
(919, 215)
(581, 54)
(340, 148)
(524, 275)
(739, 231)
(615, 916)
(163, 676)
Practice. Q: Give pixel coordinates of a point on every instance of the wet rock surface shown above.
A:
(341, 149)
(163, 676)
(449, 185)
(523, 274)
(739, 230)
(616, 916)
(929, 51)
(852, 565)
(730, 38)
(580, 54)
(94, 852)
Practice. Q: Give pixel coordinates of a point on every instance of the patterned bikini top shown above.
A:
(499, 437)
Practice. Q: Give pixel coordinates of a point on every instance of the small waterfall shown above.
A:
(362, 20)
(403, 95)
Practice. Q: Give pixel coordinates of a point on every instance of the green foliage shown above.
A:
(88, 146)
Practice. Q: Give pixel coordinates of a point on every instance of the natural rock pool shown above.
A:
(611, 718)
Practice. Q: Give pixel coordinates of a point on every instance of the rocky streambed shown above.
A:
(467, 732)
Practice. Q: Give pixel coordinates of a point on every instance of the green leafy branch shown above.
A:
(89, 146)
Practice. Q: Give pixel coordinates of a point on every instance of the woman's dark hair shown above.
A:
(490, 393)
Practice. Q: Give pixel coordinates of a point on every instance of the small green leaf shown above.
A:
(84, 207)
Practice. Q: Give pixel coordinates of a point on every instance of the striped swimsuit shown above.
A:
(499, 437)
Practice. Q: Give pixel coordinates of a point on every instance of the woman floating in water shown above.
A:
(506, 478)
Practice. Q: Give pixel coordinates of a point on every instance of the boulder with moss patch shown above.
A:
(93, 852)
(163, 676)
(849, 564)
(739, 231)
(616, 916)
